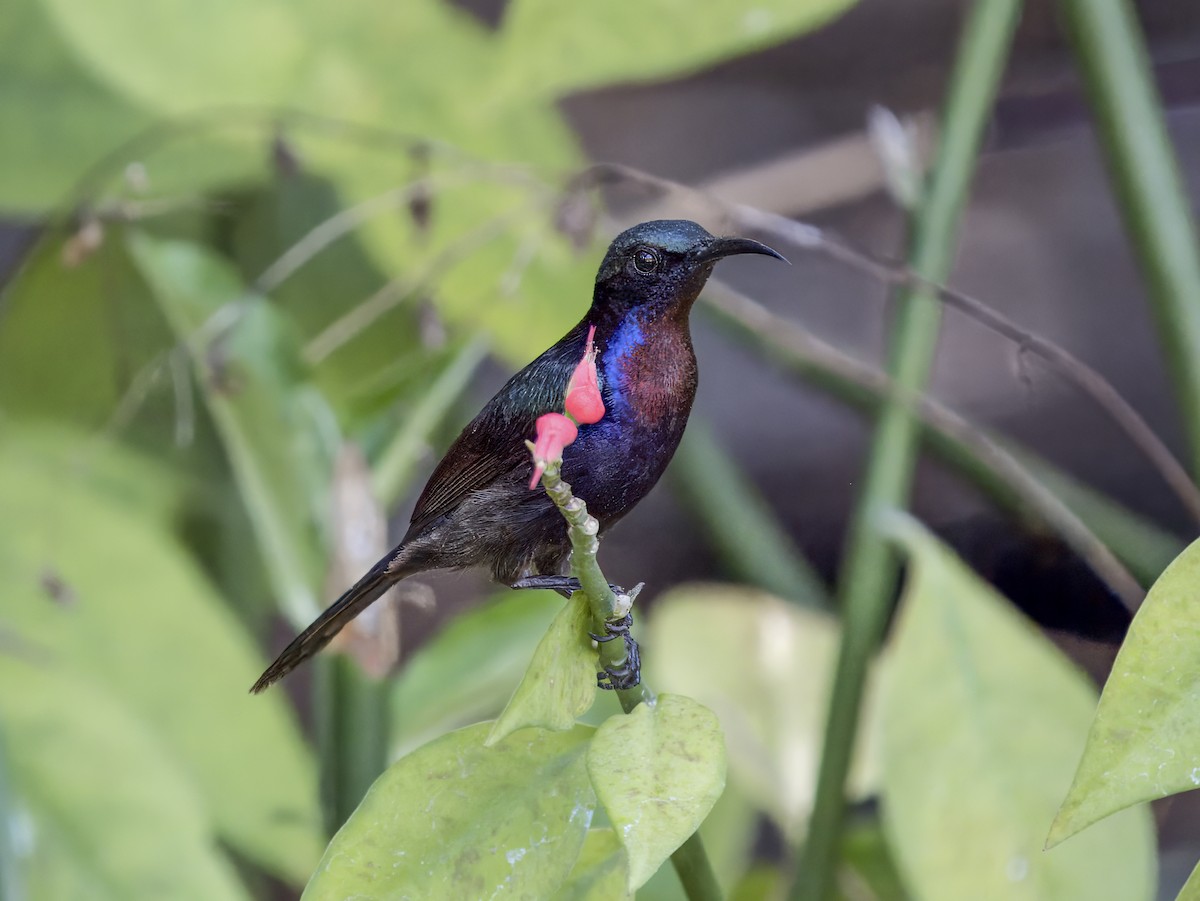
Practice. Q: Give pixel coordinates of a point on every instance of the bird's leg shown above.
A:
(564, 585)
(629, 673)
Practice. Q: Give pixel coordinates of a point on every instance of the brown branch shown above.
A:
(812, 238)
(873, 385)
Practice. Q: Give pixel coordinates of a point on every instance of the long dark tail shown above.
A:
(382, 576)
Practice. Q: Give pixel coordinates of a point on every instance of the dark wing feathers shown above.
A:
(493, 443)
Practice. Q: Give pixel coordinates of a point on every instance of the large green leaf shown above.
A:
(92, 579)
(113, 816)
(600, 872)
(657, 771)
(554, 47)
(276, 431)
(176, 56)
(1145, 740)
(560, 683)
(457, 820)
(57, 119)
(468, 671)
(96, 316)
(768, 686)
(983, 717)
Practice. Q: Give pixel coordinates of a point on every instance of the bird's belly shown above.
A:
(613, 464)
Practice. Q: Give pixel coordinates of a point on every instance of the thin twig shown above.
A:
(783, 335)
(340, 224)
(812, 238)
(362, 315)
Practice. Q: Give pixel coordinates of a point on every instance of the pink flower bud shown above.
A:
(554, 432)
(584, 403)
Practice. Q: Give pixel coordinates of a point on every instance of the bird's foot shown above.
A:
(628, 673)
(564, 585)
(612, 678)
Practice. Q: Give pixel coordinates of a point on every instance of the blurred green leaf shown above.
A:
(982, 723)
(277, 432)
(97, 316)
(12, 876)
(457, 820)
(600, 873)
(551, 48)
(111, 813)
(560, 683)
(66, 119)
(1147, 717)
(177, 56)
(768, 686)
(468, 671)
(868, 870)
(657, 771)
(334, 281)
(93, 580)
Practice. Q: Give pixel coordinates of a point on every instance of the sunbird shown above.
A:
(477, 508)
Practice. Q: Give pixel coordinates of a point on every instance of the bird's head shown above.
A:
(661, 266)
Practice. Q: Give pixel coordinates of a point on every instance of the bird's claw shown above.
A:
(620, 627)
(628, 673)
(564, 585)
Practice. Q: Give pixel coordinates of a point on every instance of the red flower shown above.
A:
(584, 403)
(554, 432)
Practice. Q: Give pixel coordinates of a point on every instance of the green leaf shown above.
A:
(79, 312)
(657, 771)
(768, 686)
(982, 721)
(600, 873)
(457, 820)
(466, 672)
(107, 803)
(560, 683)
(551, 48)
(93, 580)
(276, 432)
(868, 868)
(1143, 742)
(66, 119)
(199, 56)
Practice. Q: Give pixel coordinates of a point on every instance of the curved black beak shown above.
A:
(727, 247)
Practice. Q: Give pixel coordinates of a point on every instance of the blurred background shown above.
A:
(260, 263)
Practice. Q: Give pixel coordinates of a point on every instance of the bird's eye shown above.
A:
(645, 259)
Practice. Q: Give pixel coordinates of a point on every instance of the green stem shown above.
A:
(870, 567)
(393, 469)
(690, 859)
(741, 525)
(1116, 72)
(352, 710)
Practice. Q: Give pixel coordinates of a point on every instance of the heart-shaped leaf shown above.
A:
(983, 717)
(1145, 741)
(560, 683)
(457, 820)
(658, 771)
(600, 873)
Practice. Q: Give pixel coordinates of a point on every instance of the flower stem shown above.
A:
(1116, 71)
(870, 566)
(690, 859)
